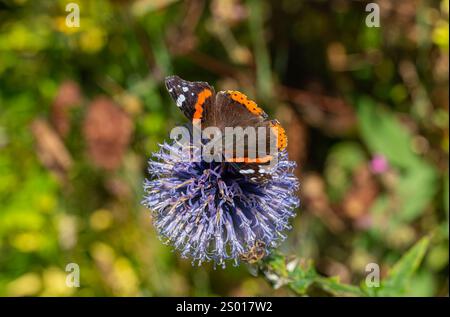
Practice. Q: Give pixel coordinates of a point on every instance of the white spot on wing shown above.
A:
(180, 100)
(185, 89)
(249, 171)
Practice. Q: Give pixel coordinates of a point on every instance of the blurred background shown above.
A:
(82, 109)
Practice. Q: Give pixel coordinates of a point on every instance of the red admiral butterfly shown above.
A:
(199, 102)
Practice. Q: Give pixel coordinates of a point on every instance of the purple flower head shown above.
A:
(211, 212)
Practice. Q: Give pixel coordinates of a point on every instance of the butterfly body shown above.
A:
(230, 111)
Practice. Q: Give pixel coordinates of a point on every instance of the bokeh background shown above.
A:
(81, 110)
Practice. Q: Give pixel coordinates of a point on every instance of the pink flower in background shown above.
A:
(379, 164)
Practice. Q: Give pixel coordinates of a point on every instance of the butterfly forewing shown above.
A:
(195, 99)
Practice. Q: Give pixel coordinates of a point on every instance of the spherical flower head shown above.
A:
(211, 212)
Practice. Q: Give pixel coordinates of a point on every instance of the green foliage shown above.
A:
(301, 276)
(399, 277)
(383, 134)
(341, 161)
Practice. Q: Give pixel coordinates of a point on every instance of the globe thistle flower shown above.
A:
(210, 212)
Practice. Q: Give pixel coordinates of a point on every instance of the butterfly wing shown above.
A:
(195, 99)
(234, 109)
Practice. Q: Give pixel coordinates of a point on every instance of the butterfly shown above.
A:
(230, 109)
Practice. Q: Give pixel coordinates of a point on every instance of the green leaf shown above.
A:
(383, 134)
(399, 278)
(342, 160)
(418, 181)
(302, 278)
(335, 287)
(300, 275)
(421, 181)
(277, 264)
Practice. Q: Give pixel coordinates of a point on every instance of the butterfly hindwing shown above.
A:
(234, 109)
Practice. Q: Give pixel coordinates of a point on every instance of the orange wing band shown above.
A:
(243, 100)
(279, 131)
(202, 96)
(258, 160)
